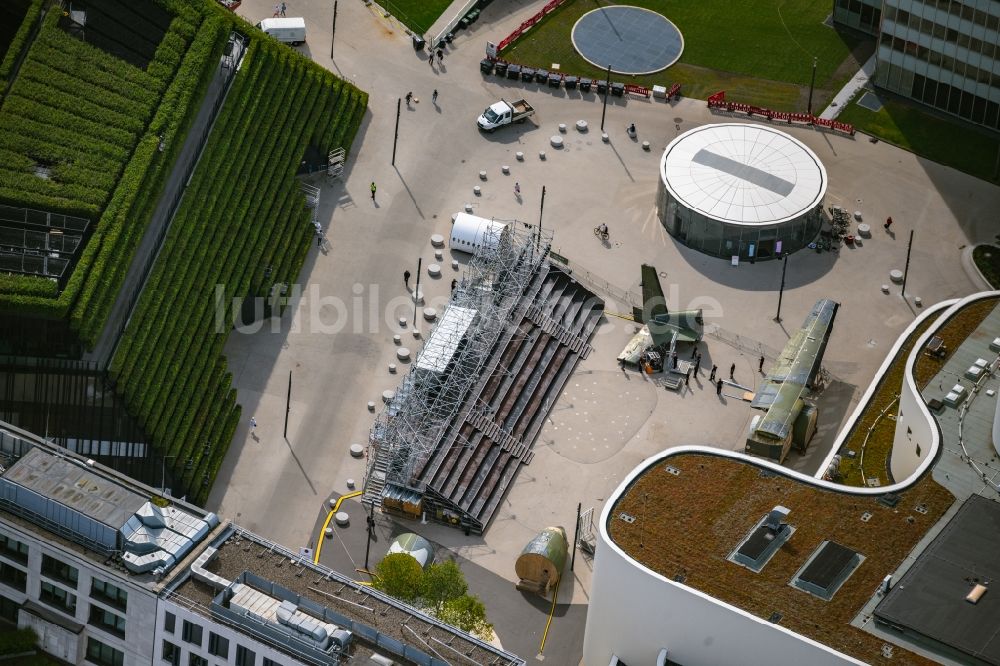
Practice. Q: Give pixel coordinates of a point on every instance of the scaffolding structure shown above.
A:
(431, 397)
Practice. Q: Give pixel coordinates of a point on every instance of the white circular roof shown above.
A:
(743, 174)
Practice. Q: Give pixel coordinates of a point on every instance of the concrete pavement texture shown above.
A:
(337, 341)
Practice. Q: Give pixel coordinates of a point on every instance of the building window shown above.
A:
(8, 609)
(245, 657)
(106, 620)
(169, 622)
(270, 662)
(191, 633)
(13, 549)
(57, 597)
(171, 653)
(197, 660)
(14, 577)
(218, 646)
(109, 594)
(58, 570)
(103, 655)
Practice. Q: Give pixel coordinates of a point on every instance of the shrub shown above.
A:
(19, 42)
(17, 641)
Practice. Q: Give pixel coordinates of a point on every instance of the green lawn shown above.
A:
(987, 258)
(759, 51)
(945, 140)
(417, 15)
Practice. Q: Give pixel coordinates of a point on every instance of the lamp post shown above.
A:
(812, 84)
(371, 532)
(163, 473)
(607, 91)
(781, 290)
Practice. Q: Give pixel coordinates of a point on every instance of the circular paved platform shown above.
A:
(632, 40)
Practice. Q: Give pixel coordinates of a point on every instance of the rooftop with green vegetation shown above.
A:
(881, 409)
(691, 511)
(82, 132)
(130, 87)
(169, 364)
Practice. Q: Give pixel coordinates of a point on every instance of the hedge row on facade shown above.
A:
(243, 210)
(19, 43)
(127, 217)
(79, 71)
(135, 192)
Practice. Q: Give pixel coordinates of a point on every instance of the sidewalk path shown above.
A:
(841, 99)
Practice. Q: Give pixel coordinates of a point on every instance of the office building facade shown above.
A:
(943, 53)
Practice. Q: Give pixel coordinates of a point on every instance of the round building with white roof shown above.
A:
(744, 190)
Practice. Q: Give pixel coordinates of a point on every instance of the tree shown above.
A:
(467, 613)
(400, 576)
(443, 582)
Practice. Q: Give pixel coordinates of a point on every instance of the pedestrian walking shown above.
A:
(694, 350)
(283, 7)
(277, 11)
(697, 363)
(409, 96)
(406, 279)
(440, 55)
(732, 371)
(718, 387)
(253, 424)
(434, 97)
(517, 189)
(673, 360)
(760, 365)
(888, 222)
(687, 378)
(430, 59)
(711, 377)
(454, 283)
(319, 239)
(373, 190)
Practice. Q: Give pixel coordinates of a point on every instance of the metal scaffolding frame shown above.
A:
(428, 402)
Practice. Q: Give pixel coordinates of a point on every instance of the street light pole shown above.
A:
(416, 292)
(812, 84)
(395, 140)
(607, 91)
(781, 290)
(163, 473)
(371, 532)
(333, 32)
(906, 269)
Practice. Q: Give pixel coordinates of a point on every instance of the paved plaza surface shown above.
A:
(607, 420)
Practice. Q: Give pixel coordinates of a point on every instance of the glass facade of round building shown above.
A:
(741, 190)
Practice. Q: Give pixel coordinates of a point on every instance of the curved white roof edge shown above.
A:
(816, 200)
(722, 453)
(950, 307)
(935, 309)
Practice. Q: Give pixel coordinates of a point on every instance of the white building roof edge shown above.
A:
(745, 198)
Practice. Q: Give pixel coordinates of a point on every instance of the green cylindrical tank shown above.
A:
(540, 564)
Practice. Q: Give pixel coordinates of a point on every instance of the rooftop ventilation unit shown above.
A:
(827, 569)
(977, 592)
(764, 540)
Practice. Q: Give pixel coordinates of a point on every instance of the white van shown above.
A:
(289, 30)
